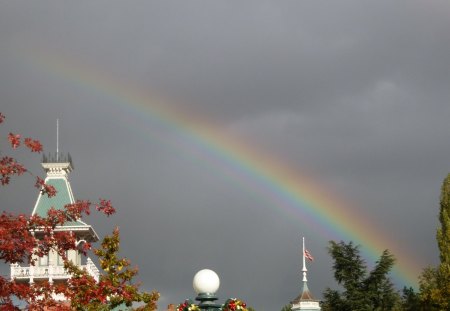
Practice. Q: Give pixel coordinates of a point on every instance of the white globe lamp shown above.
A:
(206, 281)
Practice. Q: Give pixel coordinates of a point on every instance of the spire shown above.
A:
(306, 294)
(57, 164)
(305, 301)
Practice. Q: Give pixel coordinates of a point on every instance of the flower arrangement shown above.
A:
(188, 305)
(232, 304)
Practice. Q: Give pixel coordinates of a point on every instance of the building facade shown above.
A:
(51, 267)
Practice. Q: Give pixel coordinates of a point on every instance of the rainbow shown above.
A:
(293, 192)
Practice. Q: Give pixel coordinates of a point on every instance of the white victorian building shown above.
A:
(51, 267)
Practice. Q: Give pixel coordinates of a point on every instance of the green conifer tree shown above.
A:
(410, 300)
(363, 291)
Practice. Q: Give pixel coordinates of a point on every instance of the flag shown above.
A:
(308, 255)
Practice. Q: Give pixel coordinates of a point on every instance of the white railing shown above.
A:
(92, 269)
(57, 272)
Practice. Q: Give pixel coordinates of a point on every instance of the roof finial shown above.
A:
(57, 140)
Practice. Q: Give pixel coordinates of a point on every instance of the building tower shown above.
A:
(50, 267)
(305, 301)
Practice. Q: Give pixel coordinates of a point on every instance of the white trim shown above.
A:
(87, 228)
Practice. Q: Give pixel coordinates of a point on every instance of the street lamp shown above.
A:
(206, 283)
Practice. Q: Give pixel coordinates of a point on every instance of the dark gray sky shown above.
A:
(355, 93)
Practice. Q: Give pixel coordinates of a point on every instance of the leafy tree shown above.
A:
(114, 287)
(410, 300)
(428, 290)
(18, 244)
(286, 308)
(443, 239)
(363, 290)
(435, 282)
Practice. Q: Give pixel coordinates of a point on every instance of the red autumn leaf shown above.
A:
(86, 247)
(14, 139)
(105, 207)
(45, 188)
(9, 167)
(33, 145)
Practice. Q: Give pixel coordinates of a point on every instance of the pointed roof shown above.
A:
(57, 169)
(305, 301)
(304, 295)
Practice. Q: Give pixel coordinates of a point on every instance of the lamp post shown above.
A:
(206, 283)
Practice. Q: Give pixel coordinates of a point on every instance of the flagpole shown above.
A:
(304, 263)
(57, 140)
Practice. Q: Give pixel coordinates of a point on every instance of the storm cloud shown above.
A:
(355, 93)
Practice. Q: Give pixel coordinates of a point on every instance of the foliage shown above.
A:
(286, 308)
(231, 304)
(410, 300)
(443, 232)
(114, 287)
(234, 304)
(187, 305)
(363, 290)
(18, 244)
(428, 288)
(435, 282)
